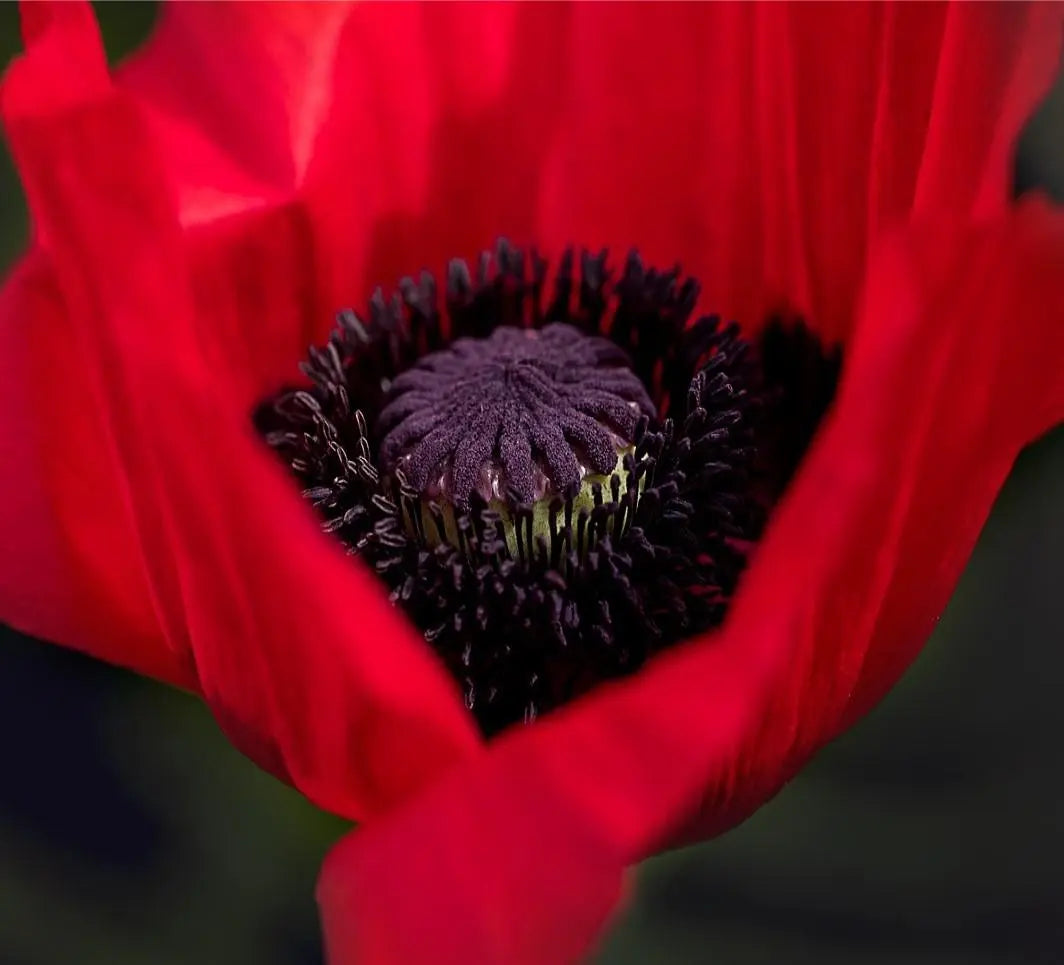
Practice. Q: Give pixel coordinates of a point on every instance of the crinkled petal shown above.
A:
(764, 145)
(237, 94)
(303, 660)
(519, 857)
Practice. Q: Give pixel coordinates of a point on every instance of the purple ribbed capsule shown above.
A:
(527, 413)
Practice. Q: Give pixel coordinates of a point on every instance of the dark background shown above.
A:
(130, 831)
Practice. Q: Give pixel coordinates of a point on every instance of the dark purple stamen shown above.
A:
(501, 389)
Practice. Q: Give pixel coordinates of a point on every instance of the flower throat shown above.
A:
(552, 488)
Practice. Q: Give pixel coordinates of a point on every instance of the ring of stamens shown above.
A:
(533, 583)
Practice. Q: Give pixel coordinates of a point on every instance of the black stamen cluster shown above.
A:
(612, 582)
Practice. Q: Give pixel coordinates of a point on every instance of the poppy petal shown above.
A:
(239, 129)
(519, 856)
(75, 574)
(305, 663)
(298, 106)
(768, 144)
(70, 572)
(294, 102)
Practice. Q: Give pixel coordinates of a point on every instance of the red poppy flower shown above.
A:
(200, 215)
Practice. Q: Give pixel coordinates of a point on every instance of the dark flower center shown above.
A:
(524, 414)
(552, 489)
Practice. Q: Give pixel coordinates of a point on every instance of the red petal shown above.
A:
(307, 666)
(237, 95)
(518, 857)
(763, 145)
(70, 571)
(309, 98)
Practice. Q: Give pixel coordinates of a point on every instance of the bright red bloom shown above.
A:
(256, 166)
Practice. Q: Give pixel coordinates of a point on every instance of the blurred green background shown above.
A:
(932, 834)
